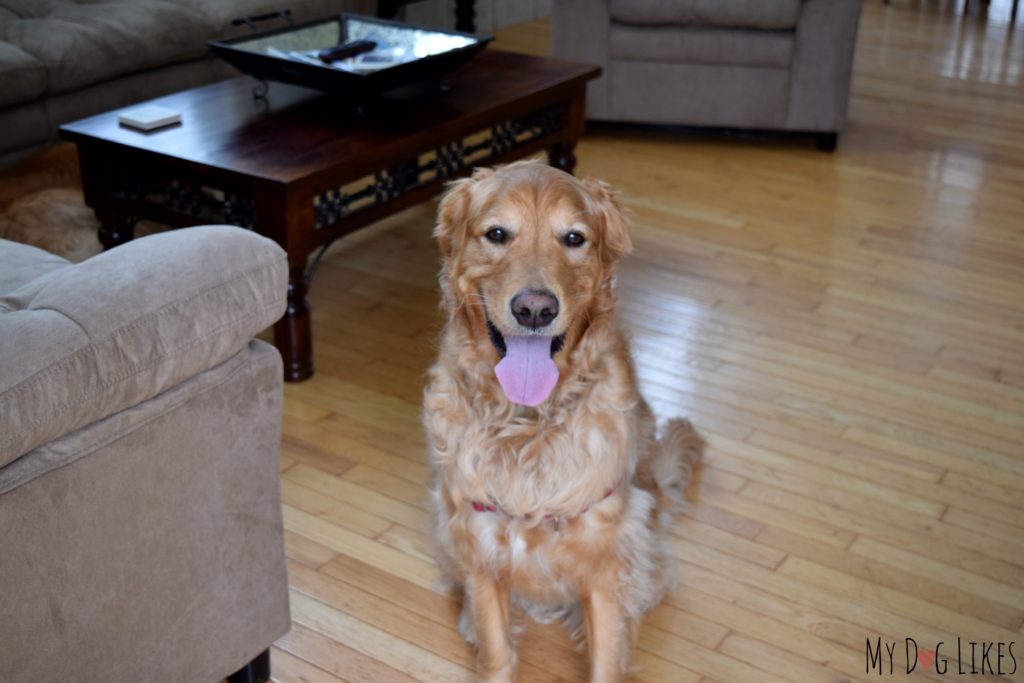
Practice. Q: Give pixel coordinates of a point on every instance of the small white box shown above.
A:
(149, 117)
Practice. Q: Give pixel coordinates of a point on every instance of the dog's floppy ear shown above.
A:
(453, 212)
(615, 240)
(451, 216)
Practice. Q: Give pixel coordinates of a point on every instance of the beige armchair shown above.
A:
(140, 514)
(758, 64)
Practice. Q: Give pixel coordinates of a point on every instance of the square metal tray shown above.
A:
(431, 53)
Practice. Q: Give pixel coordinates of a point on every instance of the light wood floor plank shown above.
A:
(343, 662)
(344, 541)
(948, 543)
(895, 575)
(287, 668)
(384, 507)
(376, 643)
(876, 595)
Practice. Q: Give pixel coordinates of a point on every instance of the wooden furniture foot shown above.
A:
(256, 671)
(115, 228)
(827, 141)
(465, 12)
(465, 15)
(293, 335)
(561, 156)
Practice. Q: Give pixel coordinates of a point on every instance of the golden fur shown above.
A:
(554, 547)
(56, 220)
(41, 204)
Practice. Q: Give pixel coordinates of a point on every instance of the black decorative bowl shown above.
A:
(404, 55)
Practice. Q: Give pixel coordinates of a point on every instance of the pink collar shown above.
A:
(479, 506)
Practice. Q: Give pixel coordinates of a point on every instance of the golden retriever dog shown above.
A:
(552, 492)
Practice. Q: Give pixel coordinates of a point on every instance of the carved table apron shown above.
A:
(303, 168)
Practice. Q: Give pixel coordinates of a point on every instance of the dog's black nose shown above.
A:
(534, 308)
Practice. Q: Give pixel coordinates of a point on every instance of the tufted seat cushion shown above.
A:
(81, 342)
(22, 75)
(700, 45)
(20, 263)
(778, 15)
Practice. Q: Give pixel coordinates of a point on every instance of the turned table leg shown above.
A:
(115, 227)
(465, 14)
(256, 671)
(561, 156)
(293, 334)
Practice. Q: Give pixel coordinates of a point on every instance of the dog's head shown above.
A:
(528, 256)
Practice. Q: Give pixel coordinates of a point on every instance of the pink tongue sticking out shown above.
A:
(527, 373)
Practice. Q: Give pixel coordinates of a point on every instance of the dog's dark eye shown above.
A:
(497, 235)
(574, 239)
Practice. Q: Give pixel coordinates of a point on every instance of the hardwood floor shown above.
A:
(848, 331)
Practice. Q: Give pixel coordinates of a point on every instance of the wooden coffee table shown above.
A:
(303, 168)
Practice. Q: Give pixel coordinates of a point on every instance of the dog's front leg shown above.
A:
(489, 604)
(607, 637)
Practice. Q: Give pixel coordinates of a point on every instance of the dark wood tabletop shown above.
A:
(296, 132)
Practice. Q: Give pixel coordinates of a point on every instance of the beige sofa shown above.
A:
(758, 64)
(140, 517)
(62, 60)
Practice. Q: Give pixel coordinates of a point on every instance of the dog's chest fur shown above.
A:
(535, 465)
(541, 560)
(542, 479)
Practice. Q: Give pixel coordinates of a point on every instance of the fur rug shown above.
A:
(41, 204)
(54, 219)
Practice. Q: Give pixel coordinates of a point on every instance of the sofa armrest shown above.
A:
(819, 85)
(580, 32)
(148, 546)
(81, 343)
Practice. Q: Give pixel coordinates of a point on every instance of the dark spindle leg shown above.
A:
(256, 671)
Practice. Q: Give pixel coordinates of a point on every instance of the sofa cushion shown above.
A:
(23, 127)
(81, 44)
(718, 95)
(20, 264)
(757, 14)
(220, 14)
(82, 342)
(701, 45)
(132, 88)
(23, 76)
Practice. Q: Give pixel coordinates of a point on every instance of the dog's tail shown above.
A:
(679, 450)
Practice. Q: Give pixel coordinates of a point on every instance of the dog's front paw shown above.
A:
(466, 629)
